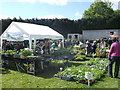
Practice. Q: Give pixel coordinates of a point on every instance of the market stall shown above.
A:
(19, 31)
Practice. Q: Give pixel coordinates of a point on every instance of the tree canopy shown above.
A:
(99, 9)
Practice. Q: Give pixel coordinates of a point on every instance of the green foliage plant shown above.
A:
(25, 52)
(9, 52)
(95, 66)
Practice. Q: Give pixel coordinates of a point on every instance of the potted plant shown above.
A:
(10, 53)
(24, 53)
(2, 54)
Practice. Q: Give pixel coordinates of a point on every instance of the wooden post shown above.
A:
(42, 65)
(88, 82)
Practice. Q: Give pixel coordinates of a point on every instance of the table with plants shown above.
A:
(24, 61)
(91, 71)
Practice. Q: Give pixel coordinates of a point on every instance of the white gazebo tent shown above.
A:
(18, 31)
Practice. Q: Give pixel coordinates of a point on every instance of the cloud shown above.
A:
(52, 2)
(11, 17)
(63, 2)
(78, 14)
(48, 1)
(40, 17)
(17, 0)
(114, 2)
(81, 0)
(119, 5)
(31, 1)
(51, 17)
(56, 2)
(5, 17)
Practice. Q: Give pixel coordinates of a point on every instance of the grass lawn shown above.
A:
(15, 79)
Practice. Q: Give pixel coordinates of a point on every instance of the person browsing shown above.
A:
(114, 57)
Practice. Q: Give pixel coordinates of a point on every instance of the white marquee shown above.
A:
(30, 32)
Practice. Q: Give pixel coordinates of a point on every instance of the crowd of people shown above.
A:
(8, 45)
(47, 46)
(90, 46)
(42, 46)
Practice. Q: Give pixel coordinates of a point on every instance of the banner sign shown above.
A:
(14, 36)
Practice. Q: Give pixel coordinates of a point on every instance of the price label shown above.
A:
(88, 75)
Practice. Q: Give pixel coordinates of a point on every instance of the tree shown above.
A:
(117, 12)
(99, 9)
(5, 23)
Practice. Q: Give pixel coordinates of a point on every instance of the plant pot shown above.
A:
(16, 56)
(83, 81)
(66, 78)
(2, 56)
(23, 57)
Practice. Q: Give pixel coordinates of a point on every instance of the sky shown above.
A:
(48, 9)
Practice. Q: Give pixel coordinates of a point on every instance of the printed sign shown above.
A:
(14, 36)
(88, 75)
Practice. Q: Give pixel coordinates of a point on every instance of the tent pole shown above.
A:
(1, 42)
(63, 42)
(34, 43)
(30, 43)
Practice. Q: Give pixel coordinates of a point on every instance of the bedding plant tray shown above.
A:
(96, 67)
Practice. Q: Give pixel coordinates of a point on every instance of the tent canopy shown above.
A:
(30, 31)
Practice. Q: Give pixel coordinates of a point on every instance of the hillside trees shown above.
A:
(63, 26)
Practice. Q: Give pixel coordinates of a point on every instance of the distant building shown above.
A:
(119, 5)
(97, 34)
(74, 36)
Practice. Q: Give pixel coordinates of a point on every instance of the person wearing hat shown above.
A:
(88, 48)
(94, 46)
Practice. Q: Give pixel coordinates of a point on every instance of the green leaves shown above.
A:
(8, 52)
(25, 52)
(99, 9)
(94, 66)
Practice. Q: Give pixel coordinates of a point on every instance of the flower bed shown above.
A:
(77, 73)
